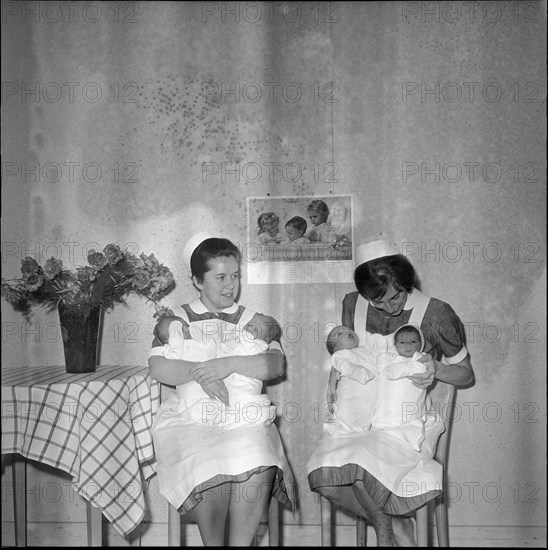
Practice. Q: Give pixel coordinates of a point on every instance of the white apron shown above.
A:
(196, 456)
(405, 471)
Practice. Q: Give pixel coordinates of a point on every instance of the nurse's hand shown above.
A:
(423, 380)
(210, 371)
(217, 390)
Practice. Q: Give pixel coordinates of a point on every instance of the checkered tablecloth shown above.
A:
(94, 426)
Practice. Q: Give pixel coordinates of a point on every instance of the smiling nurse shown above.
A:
(204, 470)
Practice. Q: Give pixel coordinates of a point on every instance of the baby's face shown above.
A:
(292, 232)
(408, 344)
(343, 338)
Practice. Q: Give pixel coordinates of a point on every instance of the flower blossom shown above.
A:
(52, 268)
(113, 254)
(97, 260)
(30, 265)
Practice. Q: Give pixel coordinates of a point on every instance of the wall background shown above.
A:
(144, 122)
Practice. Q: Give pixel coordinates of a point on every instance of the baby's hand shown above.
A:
(331, 395)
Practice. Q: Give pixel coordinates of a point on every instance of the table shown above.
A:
(94, 426)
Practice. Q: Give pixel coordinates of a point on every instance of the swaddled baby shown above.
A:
(206, 340)
(374, 389)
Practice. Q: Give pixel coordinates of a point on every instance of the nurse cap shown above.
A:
(375, 247)
(191, 246)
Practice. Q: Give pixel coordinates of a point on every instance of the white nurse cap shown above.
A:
(191, 246)
(375, 247)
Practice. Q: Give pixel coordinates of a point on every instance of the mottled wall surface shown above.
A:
(151, 121)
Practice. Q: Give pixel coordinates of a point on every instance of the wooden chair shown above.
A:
(443, 398)
(175, 521)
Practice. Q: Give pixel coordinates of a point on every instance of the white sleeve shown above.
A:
(243, 348)
(157, 350)
(346, 362)
(378, 343)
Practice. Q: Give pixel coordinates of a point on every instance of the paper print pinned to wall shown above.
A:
(299, 240)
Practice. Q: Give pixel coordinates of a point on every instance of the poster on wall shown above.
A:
(299, 240)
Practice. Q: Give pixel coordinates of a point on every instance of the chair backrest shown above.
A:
(443, 399)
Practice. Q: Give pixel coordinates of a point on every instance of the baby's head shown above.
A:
(161, 330)
(268, 223)
(317, 212)
(408, 340)
(341, 337)
(263, 327)
(295, 227)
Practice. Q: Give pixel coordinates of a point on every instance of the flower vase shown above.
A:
(81, 339)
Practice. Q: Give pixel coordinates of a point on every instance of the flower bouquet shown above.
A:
(83, 295)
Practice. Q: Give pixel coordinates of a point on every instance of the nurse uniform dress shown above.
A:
(195, 456)
(375, 456)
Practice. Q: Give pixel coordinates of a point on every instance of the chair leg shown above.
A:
(441, 522)
(274, 523)
(173, 527)
(361, 532)
(272, 516)
(326, 512)
(422, 525)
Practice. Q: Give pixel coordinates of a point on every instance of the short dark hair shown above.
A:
(161, 330)
(331, 342)
(298, 223)
(373, 278)
(208, 250)
(264, 327)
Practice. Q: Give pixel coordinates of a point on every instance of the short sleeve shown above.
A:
(446, 331)
(275, 345)
(156, 350)
(348, 309)
(378, 343)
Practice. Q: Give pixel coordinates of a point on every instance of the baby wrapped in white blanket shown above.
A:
(204, 340)
(374, 389)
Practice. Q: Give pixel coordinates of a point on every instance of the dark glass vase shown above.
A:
(81, 339)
